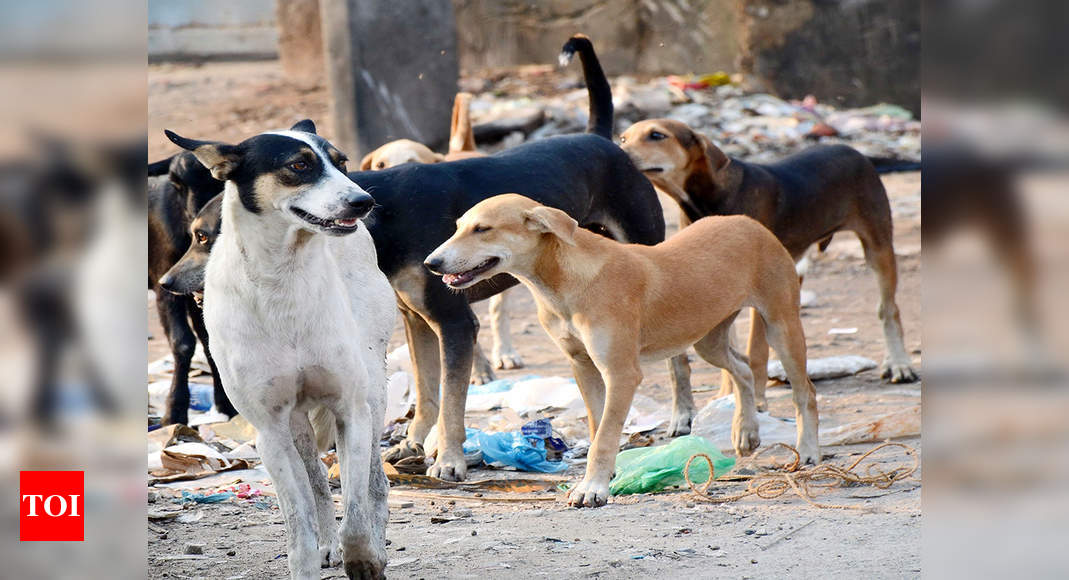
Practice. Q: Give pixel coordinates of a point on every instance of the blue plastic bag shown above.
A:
(513, 449)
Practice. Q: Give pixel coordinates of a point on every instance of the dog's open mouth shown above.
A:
(344, 224)
(652, 169)
(198, 297)
(462, 278)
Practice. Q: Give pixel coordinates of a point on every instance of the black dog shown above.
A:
(173, 202)
(587, 176)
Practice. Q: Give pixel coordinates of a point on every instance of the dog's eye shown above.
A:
(299, 166)
(480, 229)
(201, 238)
(380, 165)
(341, 165)
(657, 136)
(623, 139)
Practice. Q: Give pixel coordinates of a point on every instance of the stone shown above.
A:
(194, 549)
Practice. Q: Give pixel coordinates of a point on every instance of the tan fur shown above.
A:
(610, 306)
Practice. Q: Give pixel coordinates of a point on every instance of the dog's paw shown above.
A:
(365, 569)
(588, 494)
(898, 372)
(808, 455)
(330, 556)
(508, 360)
(482, 373)
(402, 450)
(680, 423)
(449, 468)
(744, 437)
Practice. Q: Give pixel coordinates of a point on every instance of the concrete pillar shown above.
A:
(300, 42)
(391, 70)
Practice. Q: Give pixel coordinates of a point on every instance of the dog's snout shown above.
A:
(434, 264)
(167, 282)
(359, 202)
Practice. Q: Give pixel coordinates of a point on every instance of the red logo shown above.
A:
(51, 506)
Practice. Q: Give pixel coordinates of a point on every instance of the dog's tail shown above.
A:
(597, 85)
(892, 165)
(161, 167)
(461, 138)
(324, 426)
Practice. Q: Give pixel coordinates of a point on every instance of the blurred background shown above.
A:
(995, 214)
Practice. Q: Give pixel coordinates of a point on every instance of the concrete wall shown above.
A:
(193, 29)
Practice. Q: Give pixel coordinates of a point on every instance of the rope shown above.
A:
(777, 481)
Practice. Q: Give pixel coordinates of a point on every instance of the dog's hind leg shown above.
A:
(880, 255)
(423, 351)
(504, 354)
(785, 334)
(757, 352)
(363, 490)
(295, 497)
(683, 408)
(174, 318)
(716, 349)
(482, 370)
(222, 401)
(327, 536)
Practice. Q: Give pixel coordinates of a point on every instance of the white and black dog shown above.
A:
(300, 315)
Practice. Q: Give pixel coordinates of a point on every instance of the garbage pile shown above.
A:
(539, 101)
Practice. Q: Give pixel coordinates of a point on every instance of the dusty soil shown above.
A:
(634, 535)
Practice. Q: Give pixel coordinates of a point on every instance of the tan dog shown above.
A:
(804, 199)
(610, 306)
(461, 146)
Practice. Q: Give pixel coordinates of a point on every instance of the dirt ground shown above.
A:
(633, 536)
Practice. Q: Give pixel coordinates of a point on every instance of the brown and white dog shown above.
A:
(461, 146)
(804, 199)
(610, 306)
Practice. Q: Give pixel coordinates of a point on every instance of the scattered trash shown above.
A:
(190, 517)
(713, 422)
(897, 424)
(652, 469)
(851, 330)
(189, 496)
(825, 368)
(513, 449)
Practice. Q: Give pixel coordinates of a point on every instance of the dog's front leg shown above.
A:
(623, 375)
(423, 350)
(457, 341)
(295, 499)
(364, 502)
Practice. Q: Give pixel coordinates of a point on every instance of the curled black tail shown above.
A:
(597, 85)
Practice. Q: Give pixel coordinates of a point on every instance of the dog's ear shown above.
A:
(306, 126)
(365, 163)
(550, 220)
(716, 157)
(221, 159)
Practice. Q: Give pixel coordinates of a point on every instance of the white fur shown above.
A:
(297, 320)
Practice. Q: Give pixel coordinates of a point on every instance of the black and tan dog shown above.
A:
(587, 176)
(179, 187)
(804, 199)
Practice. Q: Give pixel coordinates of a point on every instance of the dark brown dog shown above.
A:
(804, 199)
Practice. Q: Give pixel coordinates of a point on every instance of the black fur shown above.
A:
(172, 201)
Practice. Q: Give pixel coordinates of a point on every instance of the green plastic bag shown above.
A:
(648, 469)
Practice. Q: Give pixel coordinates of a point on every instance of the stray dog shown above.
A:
(610, 306)
(587, 176)
(300, 317)
(804, 199)
(173, 202)
(186, 277)
(461, 146)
